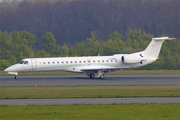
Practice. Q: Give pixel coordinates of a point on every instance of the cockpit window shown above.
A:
(21, 62)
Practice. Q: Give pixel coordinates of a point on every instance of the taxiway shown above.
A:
(73, 101)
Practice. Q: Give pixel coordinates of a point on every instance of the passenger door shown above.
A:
(34, 64)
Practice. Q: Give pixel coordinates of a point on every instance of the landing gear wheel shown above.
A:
(16, 77)
(102, 77)
(92, 76)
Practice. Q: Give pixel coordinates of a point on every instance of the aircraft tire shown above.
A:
(102, 77)
(16, 77)
(92, 76)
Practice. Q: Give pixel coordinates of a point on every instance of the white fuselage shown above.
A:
(73, 64)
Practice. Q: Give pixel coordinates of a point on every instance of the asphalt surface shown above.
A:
(63, 80)
(83, 80)
(73, 101)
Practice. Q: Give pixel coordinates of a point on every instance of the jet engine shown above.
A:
(133, 58)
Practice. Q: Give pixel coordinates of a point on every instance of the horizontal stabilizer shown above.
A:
(163, 38)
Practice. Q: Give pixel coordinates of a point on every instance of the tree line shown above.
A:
(18, 45)
(73, 20)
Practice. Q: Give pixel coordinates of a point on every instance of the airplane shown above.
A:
(91, 64)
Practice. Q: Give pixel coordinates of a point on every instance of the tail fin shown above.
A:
(154, 47)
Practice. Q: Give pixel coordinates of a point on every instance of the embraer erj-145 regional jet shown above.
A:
(91, 64)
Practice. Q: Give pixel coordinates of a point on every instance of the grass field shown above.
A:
(120, 72)
(90, 91)
(92, 112)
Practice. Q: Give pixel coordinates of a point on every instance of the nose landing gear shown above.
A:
(16, 77)
(15, 73)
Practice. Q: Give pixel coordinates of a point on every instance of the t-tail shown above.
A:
(149, 55)
(153, 49)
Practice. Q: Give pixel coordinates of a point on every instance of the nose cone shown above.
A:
(7, 69)
(13, 68)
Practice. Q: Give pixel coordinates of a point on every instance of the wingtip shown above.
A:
(171, 38)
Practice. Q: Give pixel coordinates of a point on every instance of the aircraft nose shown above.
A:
(12, 68)
(7, 69)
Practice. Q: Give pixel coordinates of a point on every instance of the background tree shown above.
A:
(92, 45)
(114, 44)
(71, 21)
(15, 46)
(62, 50)
(48, 43)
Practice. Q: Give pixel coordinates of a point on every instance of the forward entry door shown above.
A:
(34, 64)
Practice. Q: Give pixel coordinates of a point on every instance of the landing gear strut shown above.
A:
(100, 75)
(16, 75)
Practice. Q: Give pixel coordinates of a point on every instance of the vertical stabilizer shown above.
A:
(154, 47)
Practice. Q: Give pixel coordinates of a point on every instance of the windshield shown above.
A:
(21, 62)
(26, 62)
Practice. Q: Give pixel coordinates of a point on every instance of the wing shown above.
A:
(94, 70)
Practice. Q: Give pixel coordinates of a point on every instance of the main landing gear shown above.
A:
(99, 75)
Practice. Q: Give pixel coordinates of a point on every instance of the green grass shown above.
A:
(92, 112)
(120, 72)
(89, 91)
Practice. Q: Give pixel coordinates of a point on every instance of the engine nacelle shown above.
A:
(133, 58)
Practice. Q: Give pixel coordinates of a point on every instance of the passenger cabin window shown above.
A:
(44, 63)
